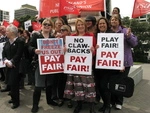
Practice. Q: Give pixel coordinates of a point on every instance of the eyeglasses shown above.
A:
(62, 30)
(46, 24)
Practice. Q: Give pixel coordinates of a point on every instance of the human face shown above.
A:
(115, 11)
(2, 30)
(58, 24)
(88, 23)
(8, 33)
(114, 22)
(80, 27)
(64, 32)
(102, 25)
(24, 34)
(46, 26)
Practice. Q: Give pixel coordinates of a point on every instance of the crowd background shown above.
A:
(55, 86)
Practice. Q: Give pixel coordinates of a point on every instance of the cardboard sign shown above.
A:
(27, 24)
(51, 58)
(78, 57)
(110, 54)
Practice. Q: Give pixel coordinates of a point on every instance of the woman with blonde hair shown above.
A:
(46, 80)
(80, 81)
(57, 33)
(64, 31)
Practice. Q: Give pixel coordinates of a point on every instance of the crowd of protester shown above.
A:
(20, 54)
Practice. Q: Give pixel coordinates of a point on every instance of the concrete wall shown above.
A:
(136, 73)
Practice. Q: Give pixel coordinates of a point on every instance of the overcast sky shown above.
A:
(11, 5)
(126, 6)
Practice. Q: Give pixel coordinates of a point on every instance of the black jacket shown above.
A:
(14, 51)
(33, 42)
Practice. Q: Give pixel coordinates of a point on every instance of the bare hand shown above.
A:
(128, 32)
(92, 49)
(58, 35)
(37, 51)
(122, 69)
(9, 65)
(65, 49)
(97, 46)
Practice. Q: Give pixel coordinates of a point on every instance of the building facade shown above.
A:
(4, 15)
(144, 18)
(25, 9)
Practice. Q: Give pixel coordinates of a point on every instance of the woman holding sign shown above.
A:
(62, 77)
(130, 41)
(57, 33)
(41, 81)
(102, 76)
(83, 86)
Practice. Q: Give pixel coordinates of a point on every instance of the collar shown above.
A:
(12, 41)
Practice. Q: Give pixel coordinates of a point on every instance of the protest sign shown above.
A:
(27, 24)
(78, 57)
(110, 54)
(51, 58)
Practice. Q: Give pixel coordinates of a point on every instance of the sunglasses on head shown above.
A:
(63, 30)
(46, 24)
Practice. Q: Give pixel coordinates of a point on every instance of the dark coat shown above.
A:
(33, 41)
(40, 80)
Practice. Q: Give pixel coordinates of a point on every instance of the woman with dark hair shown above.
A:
(58, 23)
(90, 22)
(102, 76)
(116, 10)
(24, 64)
(27, 58)
(57, 26)
(21, 72)
(130, 41)
(91, 28)
(102, 25)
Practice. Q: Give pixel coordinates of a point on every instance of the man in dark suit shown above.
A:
(12, 53)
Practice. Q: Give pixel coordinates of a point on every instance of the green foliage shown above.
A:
(142, 31)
